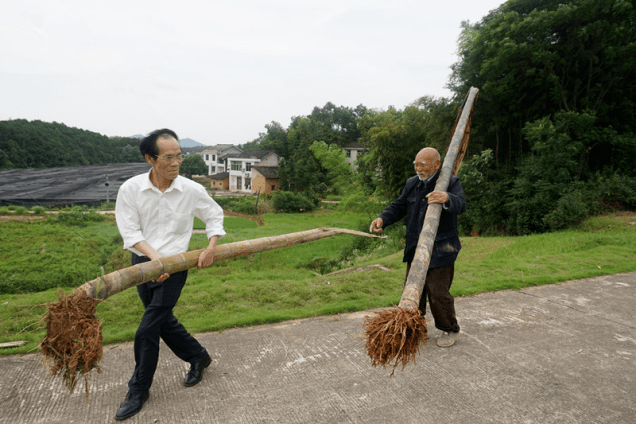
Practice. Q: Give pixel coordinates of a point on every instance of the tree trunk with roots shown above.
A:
(73, 341)
(394, 335)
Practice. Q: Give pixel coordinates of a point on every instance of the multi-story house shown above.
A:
(353, 151)
(239, 168)
(213, 157)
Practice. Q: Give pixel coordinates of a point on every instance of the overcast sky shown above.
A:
(219, 71)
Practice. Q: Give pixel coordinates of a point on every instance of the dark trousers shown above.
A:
(158, 321)
(437, 285)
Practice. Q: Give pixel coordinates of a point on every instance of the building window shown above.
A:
(207, 157)
(235, 165)
(272, 187)
(349, 153)
(248, 167)
(213, 157)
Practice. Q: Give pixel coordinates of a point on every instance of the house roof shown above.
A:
(220, 148)
(355, 145)
(220, 176)
(267, 171)
(229, 155)
(259, 154)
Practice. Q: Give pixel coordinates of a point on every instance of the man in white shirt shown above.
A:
(155, 213)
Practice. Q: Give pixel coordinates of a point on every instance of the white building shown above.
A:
(354, 151)
(213, 157)
(239, 167)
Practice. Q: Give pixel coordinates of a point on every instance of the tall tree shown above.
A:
(533, 58)
(395, 137)
(193, 165)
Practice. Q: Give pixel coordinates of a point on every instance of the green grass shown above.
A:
(277, 285)
(229, 223)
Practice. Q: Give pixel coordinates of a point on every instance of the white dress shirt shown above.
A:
(164, 220)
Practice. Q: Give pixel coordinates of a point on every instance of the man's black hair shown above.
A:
(148, 146)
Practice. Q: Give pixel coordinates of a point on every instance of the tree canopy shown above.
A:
(38, 144)
(193, 165)
(535, 58)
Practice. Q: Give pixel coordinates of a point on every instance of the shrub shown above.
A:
(245, 205)
(38, 210)
(362, 203)
(79, 216)
(107, 206)
(570, 210)
(20, 210)
(289, 202)
(225, 202)
(611, 191)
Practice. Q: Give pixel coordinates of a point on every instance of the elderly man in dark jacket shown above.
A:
(412, 205)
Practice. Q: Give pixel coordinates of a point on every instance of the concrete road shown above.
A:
(552, 354)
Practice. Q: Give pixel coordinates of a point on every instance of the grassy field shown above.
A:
(283, 284)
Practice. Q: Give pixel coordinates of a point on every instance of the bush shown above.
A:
(246, 204)
(107, 206)
(38, 210)
(225, 202)
(289, 202)
(570, 210)
(612, 192)
(78, 216)
(19, 210)
(362, 203)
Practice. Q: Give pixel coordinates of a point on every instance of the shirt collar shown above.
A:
(148, 185)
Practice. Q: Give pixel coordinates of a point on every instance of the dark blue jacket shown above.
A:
(412, 205)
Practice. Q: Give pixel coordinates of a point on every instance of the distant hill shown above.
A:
(188, 142)
(38, 144)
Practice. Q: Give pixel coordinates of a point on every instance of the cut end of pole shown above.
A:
(394, 336)
(73, 342)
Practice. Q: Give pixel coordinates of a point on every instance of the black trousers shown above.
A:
(437, 284)
(158, 320)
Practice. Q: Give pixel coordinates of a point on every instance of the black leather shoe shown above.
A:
(195, 374)
(131, 405)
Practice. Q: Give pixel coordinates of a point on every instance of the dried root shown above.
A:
(394, 335)
(73, 341)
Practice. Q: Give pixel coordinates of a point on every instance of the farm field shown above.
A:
(289, 283)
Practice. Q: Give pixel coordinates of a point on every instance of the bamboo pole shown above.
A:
(73, 341)
(420, 264)
(105, 286)
(394, 335)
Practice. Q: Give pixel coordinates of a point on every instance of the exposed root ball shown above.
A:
(73, 341)
(394, 335)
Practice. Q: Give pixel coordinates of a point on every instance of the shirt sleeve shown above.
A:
(127, 217)
(209, 212)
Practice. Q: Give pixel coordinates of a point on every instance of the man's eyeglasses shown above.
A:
(171, 159)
